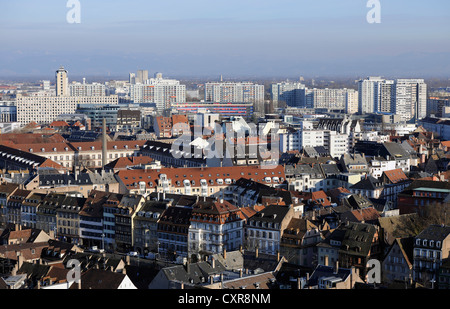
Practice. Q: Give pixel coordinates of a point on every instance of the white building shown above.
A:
(44, 110)
(410, 99)
(87, 90)
(244, 92)
(336, 143)
(162, 92)
(369, 94)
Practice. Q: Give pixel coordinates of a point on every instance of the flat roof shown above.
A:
(431, 189)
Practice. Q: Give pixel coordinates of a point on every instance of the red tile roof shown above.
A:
(396, 176)
(194, 174)
(59, 123)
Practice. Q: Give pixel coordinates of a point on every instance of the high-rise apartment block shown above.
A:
(404, 97)
(229, 92)
(286, 92)
(87, 90)
(62, 83)
(410, 99)
(162, 92)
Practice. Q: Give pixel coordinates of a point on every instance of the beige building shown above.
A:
(83, 154)
(62, 83)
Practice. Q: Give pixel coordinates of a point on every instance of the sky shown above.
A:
(251, 38)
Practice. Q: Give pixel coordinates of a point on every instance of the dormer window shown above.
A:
(424, 242)
(418, 242)
(438, 244)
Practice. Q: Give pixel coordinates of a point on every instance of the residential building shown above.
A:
(333, 277)
(77, 89)
(124, 221)
(215, 226)
(431, 247)
(146, 226)
(45, 109)
(29, 209)
(173, 231)
(14, 205)
(228, 92)
(198, 181)
(162, 92)
(359, 244)
(410, 99)
(62, 83)
(46, 213)
(298, 242)
(264, 230)
(397, 265)
(68, 219)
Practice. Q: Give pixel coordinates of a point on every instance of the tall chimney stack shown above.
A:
(104, 144)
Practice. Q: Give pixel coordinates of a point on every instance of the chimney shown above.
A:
(224, 253)
(278, 256)
(256, 252)
(104, 144)
(336, 267)
(299, 284)
(213, 262)
(326, 260)
(240, 273)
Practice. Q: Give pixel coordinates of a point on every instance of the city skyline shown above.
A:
(287, 38)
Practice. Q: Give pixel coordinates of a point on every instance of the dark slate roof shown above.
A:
(100, 279)
(330, 169)
(263, 263)
(194, 273)
(34, 271)
(304, 169)
(358, 238)
(177, 199)
(19, 155)
(434, 232)
(272, 213)
(356, 201)
(368, 183)
(396, 151)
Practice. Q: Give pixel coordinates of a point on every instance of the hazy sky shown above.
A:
(233, 38)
